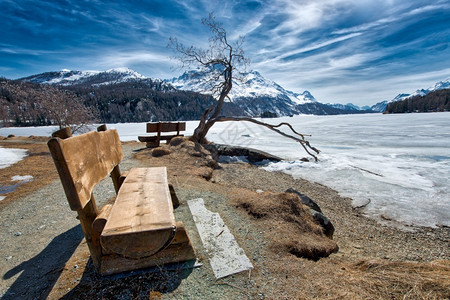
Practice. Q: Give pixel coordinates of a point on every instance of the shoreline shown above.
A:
(362, 241)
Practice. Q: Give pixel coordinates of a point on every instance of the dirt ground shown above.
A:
(43, 254)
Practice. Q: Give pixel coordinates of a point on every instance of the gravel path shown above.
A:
(35, 229)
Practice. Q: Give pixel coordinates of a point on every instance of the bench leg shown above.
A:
(87, 216)
(173, 195)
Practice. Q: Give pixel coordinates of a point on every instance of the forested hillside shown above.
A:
(31, 104)
(433, 102)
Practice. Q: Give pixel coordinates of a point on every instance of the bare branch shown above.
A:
(305, 144)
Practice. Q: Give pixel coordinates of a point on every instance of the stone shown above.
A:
(327, 226)
(305, 200)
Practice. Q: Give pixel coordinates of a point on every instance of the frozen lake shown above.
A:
(398, 163)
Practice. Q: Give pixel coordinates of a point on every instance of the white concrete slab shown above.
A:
(225, 255)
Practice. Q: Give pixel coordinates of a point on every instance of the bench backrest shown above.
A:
(83, 161)
(166, 127)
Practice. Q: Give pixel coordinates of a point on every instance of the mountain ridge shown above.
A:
(258, 95)
(253, 93)
(382, 105)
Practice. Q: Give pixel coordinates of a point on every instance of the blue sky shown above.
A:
(358, 51)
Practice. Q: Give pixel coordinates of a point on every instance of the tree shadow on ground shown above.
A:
(139, 284)
(40, 273)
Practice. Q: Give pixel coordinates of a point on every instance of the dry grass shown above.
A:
(38, 164)
(378, 279)
(301, 236)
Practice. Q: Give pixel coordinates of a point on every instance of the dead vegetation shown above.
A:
(301, 236)
(379, 279)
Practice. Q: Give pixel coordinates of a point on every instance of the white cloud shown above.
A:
(124, 58)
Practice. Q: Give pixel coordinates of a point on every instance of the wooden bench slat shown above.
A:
(166, 127)
(83, 161)
(141, 221)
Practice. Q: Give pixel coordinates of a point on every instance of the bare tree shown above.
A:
(219, 62)
(64, 109)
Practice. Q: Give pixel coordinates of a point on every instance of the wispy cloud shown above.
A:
(341, 50)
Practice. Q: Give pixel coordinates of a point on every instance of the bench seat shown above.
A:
(141, 221)
(154, 138)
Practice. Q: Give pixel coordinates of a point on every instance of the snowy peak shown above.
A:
(245, 85)
(305, 97)
(251, 91)
(253, 84)
(125, 73)
(67, 77)
(440, 85)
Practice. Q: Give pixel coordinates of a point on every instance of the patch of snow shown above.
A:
(128, 71)
(72, 76)
(2, 198)
(9, 156)
(22, 178)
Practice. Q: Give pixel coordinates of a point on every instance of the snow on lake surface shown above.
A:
(398, 163)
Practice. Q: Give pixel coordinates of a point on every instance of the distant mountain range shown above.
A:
(381, 106)
(95, 78)
(434, 101)
(122, 95)
(252, 94)
(258, 96)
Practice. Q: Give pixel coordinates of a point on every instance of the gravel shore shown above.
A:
(43, 254)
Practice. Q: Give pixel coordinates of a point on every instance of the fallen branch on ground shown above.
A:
(305, 144)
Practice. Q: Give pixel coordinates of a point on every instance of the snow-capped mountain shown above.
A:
(252, 94)
(350, 107)
(251, 91)
(93, 78)
(381, 106)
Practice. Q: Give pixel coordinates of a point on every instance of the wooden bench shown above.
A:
(139, 229)
(159, 127)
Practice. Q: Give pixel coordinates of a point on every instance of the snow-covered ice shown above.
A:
(400, 163)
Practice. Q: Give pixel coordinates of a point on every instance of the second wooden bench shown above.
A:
(158, 128)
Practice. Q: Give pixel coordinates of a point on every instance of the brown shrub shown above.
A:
(301, 236)
(160, 151)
